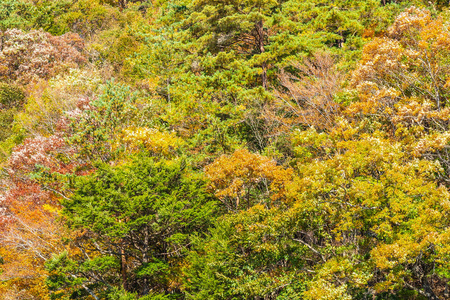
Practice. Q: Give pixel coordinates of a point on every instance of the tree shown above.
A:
(364, 219)
(310, 96)
(402, 82)
(94, 127)
(134, 224)
(28, 56)
(244, 179)
(29, 209)
(12, 99)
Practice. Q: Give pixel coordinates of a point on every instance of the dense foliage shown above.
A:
(212, 149)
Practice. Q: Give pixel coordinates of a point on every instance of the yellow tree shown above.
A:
(244, 179)
(408, 65)
(403, 84)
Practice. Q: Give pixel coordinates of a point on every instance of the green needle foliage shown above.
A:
(135, 223)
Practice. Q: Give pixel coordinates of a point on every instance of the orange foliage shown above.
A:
(244, 179)
(29, 235)
(406, 67)
(29, 230)
(403, 82)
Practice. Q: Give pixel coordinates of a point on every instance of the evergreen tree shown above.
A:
(134, 224)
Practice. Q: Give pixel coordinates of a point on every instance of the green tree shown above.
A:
(16, 14)
(95, 129)
(134, 224)
(12, 99)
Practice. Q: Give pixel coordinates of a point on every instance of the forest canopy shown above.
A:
(224, 149)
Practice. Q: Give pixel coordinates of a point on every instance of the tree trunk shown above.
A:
(260, 44)
(122, 4)
(123, 269)
(146, 260)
